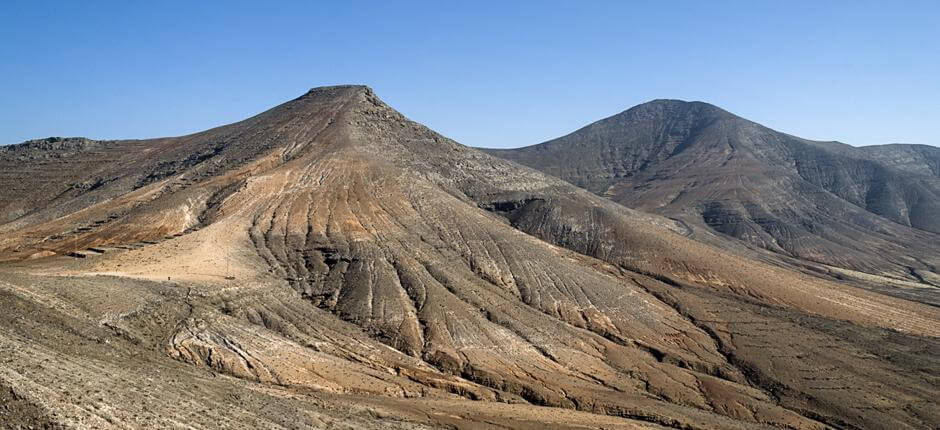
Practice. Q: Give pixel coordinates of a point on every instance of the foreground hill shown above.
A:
(871, 209)
(329, 263)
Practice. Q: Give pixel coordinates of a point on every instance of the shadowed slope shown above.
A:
(331, 251)
(868, 209)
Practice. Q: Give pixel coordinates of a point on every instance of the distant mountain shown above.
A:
(330, 263)
(872, 209)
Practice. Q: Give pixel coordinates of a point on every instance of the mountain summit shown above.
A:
(331, 263)
(868, 209)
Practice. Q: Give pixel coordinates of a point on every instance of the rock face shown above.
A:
(870, 209)
(330, 263)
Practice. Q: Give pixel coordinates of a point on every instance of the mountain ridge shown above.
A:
(680, 159)
(330, 256)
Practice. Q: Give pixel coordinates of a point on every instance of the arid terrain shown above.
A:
(330, 263)
(865, 215)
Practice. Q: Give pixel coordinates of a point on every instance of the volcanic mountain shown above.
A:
(828, 205)
(331, 264)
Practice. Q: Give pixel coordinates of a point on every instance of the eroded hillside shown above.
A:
(331, 263)
(861, 214)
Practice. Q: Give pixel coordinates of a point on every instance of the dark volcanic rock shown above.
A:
(871, 209)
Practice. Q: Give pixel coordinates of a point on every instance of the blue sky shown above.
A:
(497, 74)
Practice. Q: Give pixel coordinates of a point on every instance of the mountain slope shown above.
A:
(866, 209)
(330, 252)
(921, 159)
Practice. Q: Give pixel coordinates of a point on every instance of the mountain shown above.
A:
(870, 210)
(330, 263)
(921, 159)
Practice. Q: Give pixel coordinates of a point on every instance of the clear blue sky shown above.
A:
(497, 74)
